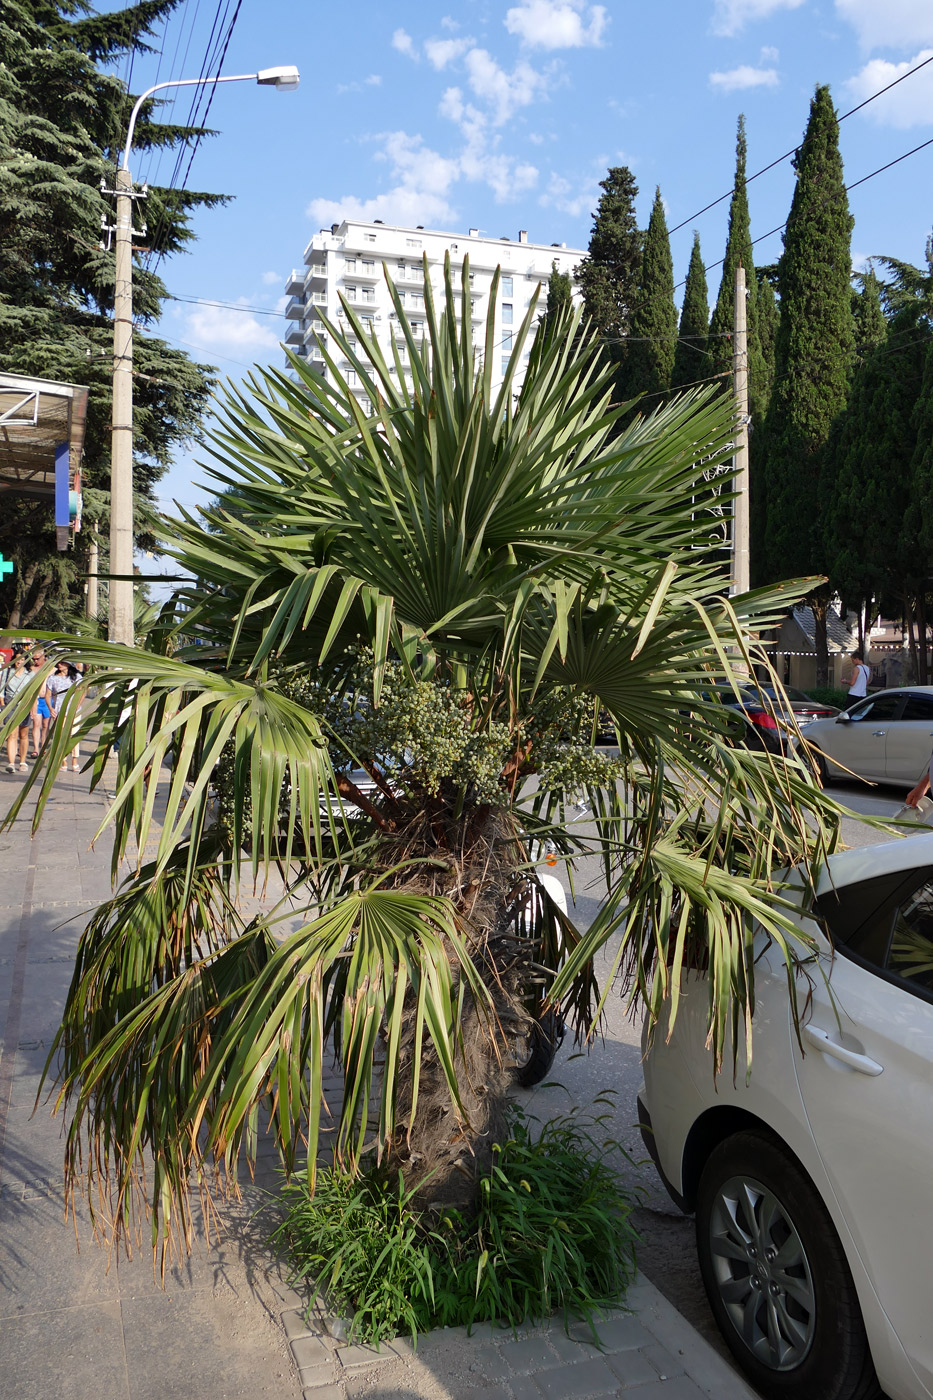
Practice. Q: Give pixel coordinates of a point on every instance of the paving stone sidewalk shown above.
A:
(225, 1326)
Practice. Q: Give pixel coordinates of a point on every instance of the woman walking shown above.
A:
(12, 681)
(59, 682)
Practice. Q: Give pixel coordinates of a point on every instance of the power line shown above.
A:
(708, 267)
(765, 168)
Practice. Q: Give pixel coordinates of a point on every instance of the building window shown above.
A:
(349, 265)
(506, 286)
(412, 242)
(368, 294)
(352, 378)
(350, 294)
(417, 299)
(505, 364)
(506, 313)
(507, 341)
(369, 267)
(369, 237)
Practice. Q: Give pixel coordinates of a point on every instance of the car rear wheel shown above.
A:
(776, 1275)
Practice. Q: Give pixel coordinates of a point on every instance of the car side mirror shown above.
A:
(843, 718)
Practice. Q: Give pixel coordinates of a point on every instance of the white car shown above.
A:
(812, 1181)
(887, 737)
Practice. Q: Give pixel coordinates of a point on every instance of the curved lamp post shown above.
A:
(120, 629)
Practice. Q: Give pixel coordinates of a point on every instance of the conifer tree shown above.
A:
(559, 295)
(767, 315)
(869, 324)
(813, 359)
(738, 254)
(691, 360)
(62, 122)
(608, 275)
(649, 358)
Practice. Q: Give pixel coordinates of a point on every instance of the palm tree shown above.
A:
(412, 617)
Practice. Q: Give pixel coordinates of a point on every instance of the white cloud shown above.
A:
(374, 80)
(440, 52)
(272, 279)
(557, 24)
(423, 179)
(909, 104)
(889, 24)
(451, 25)
(404, 43)
(744, 77)
(768, 55)
(572, 199)
(222, 326)
(504, 92)
(729, 16)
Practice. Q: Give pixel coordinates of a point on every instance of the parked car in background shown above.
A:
(767, 717)
(887, 737)
(804, 710)
(811, 1178)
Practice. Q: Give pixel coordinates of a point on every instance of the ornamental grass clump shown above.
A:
(550, 1233)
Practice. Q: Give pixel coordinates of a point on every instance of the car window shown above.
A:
(919, 707)
(887, 925)
(880, 707)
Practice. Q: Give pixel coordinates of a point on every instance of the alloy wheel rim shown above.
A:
(762, 1273)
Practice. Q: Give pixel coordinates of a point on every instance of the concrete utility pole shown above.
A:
(740, 573)
(93, 565)
(121, 447)
(283, 79)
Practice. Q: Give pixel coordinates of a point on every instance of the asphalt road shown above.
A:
(612, 1069)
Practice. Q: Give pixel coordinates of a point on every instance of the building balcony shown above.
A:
(295, 282)
(362, 271)
(295, 335)
(295, 309)
(317, 268)
(318, 298)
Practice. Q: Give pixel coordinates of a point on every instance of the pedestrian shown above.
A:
(56, 688)
(41, 713)
(859, 677)
(12, 681)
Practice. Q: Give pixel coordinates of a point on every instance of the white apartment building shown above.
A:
(352, 259)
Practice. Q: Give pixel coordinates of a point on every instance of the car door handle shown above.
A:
(820, 1040)
(878, 733)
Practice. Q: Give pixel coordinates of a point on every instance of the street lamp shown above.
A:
(284, 79)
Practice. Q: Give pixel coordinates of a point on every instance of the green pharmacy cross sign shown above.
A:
(6, 567)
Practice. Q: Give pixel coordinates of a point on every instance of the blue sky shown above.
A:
(506, 115)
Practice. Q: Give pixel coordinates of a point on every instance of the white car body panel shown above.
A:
(874, 1134)
(873, 744)
(865, 1140)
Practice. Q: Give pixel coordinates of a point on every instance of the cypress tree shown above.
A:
(869, 324)
(738, 254)
(559, 296)
(691, 361)
(649, 358)
(767, 314)
(608, 275)
(813, 359)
